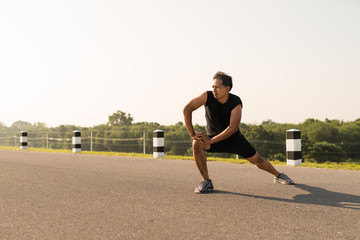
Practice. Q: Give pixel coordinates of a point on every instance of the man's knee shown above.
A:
(256, 159)
(197, 144)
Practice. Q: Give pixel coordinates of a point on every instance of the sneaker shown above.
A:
(283, 179)
(204, 186)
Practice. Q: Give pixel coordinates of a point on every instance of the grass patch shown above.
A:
(348, 165)
(354, 166)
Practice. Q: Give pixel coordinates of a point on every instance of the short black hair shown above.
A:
(226, 79)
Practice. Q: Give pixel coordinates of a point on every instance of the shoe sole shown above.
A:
(283, 182)
(206, 191)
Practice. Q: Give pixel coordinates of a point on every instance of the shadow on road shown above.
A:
(316, 195)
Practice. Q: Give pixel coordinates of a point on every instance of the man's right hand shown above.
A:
(203, 138)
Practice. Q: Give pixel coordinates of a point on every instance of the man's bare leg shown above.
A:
(200, 158)
(263, 164)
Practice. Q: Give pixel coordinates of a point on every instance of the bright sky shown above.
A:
(77, 62)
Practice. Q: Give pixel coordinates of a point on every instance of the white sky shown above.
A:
(77, 62)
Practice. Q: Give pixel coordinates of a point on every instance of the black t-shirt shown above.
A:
(218, 115)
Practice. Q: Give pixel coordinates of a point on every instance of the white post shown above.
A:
(76, 141)
(158, 144)
(293, 147)
(47, 140)
(23, 140)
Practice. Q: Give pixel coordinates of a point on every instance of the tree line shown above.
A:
(322, 141)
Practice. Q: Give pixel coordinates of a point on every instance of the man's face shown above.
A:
(219, 91)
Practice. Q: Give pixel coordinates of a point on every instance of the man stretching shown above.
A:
(223, 115)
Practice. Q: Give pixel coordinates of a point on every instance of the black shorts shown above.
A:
(236, 143)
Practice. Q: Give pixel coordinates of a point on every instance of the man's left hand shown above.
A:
(203, 137)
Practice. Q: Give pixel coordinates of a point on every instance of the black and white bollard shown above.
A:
(23, 140)
(293, 147)
(76, 141)
(158, 144)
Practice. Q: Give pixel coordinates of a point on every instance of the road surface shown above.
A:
(79, 196)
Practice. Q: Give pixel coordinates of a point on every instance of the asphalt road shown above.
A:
(78, 196)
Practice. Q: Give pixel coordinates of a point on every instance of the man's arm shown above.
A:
(235, 119)
(189, 108)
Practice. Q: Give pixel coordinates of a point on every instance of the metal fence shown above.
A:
(114, 141)
(142, 142)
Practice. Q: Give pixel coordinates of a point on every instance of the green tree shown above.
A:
(21, 125)
(120, 118)
(318, 131)
(262, 140)
(39, 125)
(177, 140)
(349, 138)
(2, 125)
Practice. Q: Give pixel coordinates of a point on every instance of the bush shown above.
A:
(323, 152)
(279, 156)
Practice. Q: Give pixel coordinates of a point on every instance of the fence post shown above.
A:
(23, 140)
(158, 144)
(91, 143)
(76, 141)
(47, 140)
(144, 142)
(293, 147)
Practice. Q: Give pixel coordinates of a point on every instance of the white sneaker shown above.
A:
(204, 186)
(283, 179)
